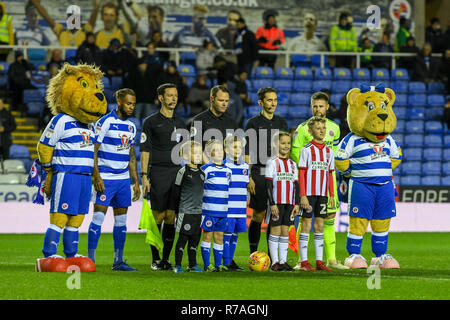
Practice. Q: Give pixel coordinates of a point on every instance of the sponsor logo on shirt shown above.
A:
(125, 142)
(86, 139)
(378, 149)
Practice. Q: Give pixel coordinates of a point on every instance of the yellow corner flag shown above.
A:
(148, 222)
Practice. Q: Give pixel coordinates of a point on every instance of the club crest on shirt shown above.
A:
(86, 135)
(130, 128)
(331, 133)
(244, 172)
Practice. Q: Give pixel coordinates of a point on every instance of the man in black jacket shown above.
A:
(245, 47)
(7, 125)
(19, 79)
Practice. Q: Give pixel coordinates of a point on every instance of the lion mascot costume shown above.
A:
(66, 155)
(368, 155)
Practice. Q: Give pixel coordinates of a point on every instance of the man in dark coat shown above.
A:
(7, 125)
(245, 47)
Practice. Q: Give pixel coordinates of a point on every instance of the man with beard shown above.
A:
(114, 163)
(343, 39)
(227, 34)
(308, 41)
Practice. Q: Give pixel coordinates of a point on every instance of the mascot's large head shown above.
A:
(369, 112)
(77, 91)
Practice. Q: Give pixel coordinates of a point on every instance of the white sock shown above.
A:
(283, 249)
(273, 248)
(318, 244)
(303, 244)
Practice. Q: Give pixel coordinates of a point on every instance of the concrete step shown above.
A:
(26, 128)
(25, 135)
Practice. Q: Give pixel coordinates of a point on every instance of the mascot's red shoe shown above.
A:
(84, 263)
(386, 261)
(356, 261)
(53, 263)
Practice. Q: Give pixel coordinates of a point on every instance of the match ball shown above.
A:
(259, 261)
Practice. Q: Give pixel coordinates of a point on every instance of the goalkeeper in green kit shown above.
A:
(319, 107)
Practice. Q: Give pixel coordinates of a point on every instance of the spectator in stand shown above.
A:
(111, 60)
(241, 87)
(227, 35)
(6, 31)
(89, 52)
(198, 97)
(447, 113)
(235, 106)
(308, 41)
(383, 46)
(129, 59)
(56, 59)
(31, 34)
(7, 125)
(343, 125)
(171, 75)
(402, 33)
(366, 46)
(205, 60)
(245, 47)
(269, 37)
(425, 67)
(158, 41)
(409, 47)
(445, 69)
(192, 36)
(226, 70)
(343, 39)
(152, 56)
(19, 79)
(434, 36)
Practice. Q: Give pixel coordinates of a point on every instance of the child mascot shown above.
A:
(369, 154)
(66, 153)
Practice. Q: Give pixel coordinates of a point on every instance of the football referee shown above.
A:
(158, 171)
(266, 124)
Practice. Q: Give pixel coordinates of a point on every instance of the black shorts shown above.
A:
(162, 179)
(189, 224)
(284, 216)
(318, 207)
(258, 202)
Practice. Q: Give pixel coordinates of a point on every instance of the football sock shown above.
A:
(119, 236)
(70, 241)
(297, 235)
(192, 251)
(233, 244)
(168, 235)
(95, 230)
(179, 248)
(273, 248)
(51, 240)
(206, 253)
(155, 252)
(303, 245)
(329, 235)
(254, 234)
(226, 249)
(218, 254)
(354, 243)
(283, 249)
(318, 244)
(379, 243)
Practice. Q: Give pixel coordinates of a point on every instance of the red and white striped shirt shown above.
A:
(316, 165)
(283, 173)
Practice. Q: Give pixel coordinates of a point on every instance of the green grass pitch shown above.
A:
(424, 259)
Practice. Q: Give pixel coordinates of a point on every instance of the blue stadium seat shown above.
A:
(137, 122)
(283, 98)
(414, 126)
(300, 98)
(109, 94)
(4, 67)
(292, 123)
(284, 73)
(315, 60)
(415, 113)
(412, 154)
(399, 87)
(436, 100)
(431, 168)
(283, 85)
(445, 181)
(431, 181)
(413, 140)
(399, 74)
(112, 106)
(323, 74)
(410, 180)
(282, 111)
(447, 141)
(400, 112)
(417, 87)
(299, 60)
(298, 111)
(36, 54)
(17, 151)
(187, 70)
(401, 100)
(342, 74)
(341, 86)
(70, 55)
(446, 156)
(116, 83)
(4, 80)
(417, 100)
(432, 154)
(319, 85)
(434, 127)
(303, 73)
(380, 74)
(188, 58)
(35, 108)
(436, 87)
(263, 73)
(302, 86)
(411, 167)
(253, 97)
(260, 83)
(253, 110)
(190, 81)
(249, 84)
(400, 128)
(336, 98)
(40, 65)
(32, 95)
(433, 113)
(433, 140)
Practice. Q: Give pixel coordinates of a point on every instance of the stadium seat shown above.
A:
(4, 80)
(414, 126)
(433, 113)
(190, 81)
(188, 58)
(413, 140)
(399, 138)
(401, 100)
(35, 108)
(4, 67)
(446, 156)
(260, 83)
(445, 181)
(110, 96)
(434, 127)
(342, 74)
(298, 111)
(410, 180)
(415, 113)
(380, 74)
(417, 100)
(400, 128)
(116, 83)
(432, 154)
(14, 166)
(70, 55)
(411, 167)
(36, 54)
(399, 74)
(284, 73)
(412, 154)
(323, 74)
(315, 60)
(300, 60)
(263, 73)
(319, 85)
(282, 111)
(430, 181)
(361, 74)
(302, 86)
(253, 97)
(137, 122)
(248, 82)
(40, 65)
(187, 70)
(436, 100)
(32, 95)
(433, 141)
(336, 98)
(300, 98)
(436, 87)
(283, 98)
(417, 87)
(253, 111)
(303, 73)
(283, 85)
(431, 168)
(399, 87)
(17, 151)
(400, 112)
(10, 178)
(341, 86)
(112, 106)
(447, 141)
